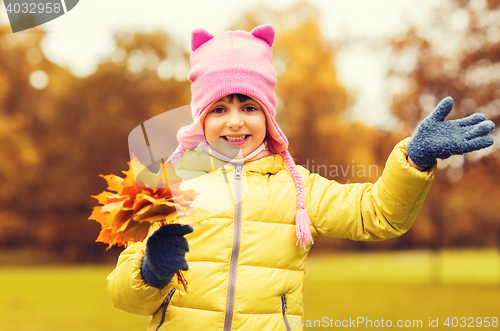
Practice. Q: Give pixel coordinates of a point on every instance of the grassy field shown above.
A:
(403, 286)
(396, 286)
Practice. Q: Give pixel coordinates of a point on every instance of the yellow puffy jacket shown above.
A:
(245, 270)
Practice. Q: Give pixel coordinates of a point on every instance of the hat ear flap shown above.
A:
(265, 32)
(199, 37)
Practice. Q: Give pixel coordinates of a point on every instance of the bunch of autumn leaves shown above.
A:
(131, 205)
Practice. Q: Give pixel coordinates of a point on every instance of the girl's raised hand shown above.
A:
(437, 138)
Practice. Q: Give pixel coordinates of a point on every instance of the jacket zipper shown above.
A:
(236, 249)
(165, 305)
(283, 310)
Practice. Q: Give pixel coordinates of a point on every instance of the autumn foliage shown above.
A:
(130, 206)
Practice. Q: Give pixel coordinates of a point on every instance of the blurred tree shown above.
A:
(58, 132)
(23, 97)
(97, 116)
(457, 55)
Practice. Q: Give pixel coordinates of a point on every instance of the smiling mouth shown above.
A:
(240, 138)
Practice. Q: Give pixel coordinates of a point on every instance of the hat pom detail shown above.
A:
(302, 229)
(265, 32)
(199, 37)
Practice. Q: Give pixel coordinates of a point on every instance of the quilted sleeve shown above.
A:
(369, 212)
(128, 290)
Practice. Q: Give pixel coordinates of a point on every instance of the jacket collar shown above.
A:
(199, 161)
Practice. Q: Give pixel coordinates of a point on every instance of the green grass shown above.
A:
(60, 298)
(403, 286)
(342, 286)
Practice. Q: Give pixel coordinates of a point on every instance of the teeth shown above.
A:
(236, 138)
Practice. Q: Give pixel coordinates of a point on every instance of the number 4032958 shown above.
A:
(33, 8)
(471, 322)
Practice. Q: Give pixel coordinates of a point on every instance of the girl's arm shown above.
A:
(366, 211)
(389, 207)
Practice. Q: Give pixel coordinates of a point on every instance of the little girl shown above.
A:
(245, 263)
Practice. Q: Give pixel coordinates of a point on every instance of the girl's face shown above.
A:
(235, 128)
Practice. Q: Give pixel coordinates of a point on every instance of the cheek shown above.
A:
(211, 129)
(259, 127)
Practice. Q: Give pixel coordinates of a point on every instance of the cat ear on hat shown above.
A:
(265, 32)
(199, 37)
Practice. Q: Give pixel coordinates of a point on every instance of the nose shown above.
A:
(235, 120)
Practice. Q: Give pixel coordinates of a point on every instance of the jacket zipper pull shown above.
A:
(238, 168)
(283, 302)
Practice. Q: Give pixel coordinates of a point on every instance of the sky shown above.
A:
(82, 37)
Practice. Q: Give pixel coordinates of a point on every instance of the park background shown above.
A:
(60, 127)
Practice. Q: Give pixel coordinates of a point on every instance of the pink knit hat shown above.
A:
(238, 62)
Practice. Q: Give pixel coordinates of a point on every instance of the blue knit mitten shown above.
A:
(165, 251)
(437, 138)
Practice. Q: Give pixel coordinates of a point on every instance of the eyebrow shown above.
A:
(249, 100)
(225, 100)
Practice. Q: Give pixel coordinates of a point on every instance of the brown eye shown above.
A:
(218, 110)
(250, 109)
